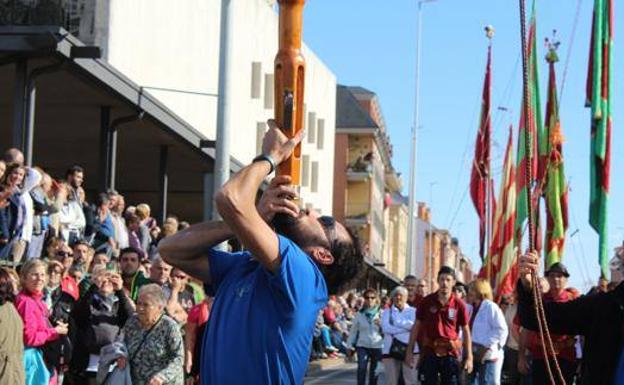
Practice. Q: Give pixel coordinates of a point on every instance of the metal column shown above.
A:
(29, 135)
(19, 104)
(108, 150)
(208, 193)
(163, 183)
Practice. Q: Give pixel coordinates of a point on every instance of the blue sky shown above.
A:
(373, 43)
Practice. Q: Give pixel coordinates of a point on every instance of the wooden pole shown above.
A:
(289, 81)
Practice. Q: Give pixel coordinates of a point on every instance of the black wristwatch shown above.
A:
(265, 158)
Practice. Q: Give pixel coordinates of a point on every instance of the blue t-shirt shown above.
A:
(261, 323)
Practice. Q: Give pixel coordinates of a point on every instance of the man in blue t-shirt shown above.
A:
(268, 297)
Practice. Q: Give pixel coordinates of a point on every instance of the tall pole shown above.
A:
(222, 145)
(431, 270)
(411, 221)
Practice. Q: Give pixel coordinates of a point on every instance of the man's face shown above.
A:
(557, 281)
(421, 288)
(308, 230)
(112, 201)
(411, 285)
(81, 254)
(129, 263)
(121, 205)
(76, 179)
(446, 283)
(160, 272)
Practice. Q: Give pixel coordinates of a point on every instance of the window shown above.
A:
(256, 79)
(315, 172)
(260, 130)
(320, 135)
(305, 113)
(268, 91)
(305, 171)
(311, 132)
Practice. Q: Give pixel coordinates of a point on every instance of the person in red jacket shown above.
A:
(557, 276)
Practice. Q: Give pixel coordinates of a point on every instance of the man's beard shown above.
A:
(283, 224)
(286, 225)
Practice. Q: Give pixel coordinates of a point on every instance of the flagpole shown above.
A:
(411, 220)
(489, 32)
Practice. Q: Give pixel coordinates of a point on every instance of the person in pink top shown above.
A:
(37, 328)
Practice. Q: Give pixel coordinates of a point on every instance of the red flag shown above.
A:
(502, 253)
(480, 175)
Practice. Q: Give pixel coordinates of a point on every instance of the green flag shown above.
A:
(599, 99)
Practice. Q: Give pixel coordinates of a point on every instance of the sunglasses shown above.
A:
(329, 225)
(64, 254)
(370, 297)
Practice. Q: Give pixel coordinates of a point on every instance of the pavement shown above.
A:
(333, 372)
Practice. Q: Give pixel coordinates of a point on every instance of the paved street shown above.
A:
(341, 374)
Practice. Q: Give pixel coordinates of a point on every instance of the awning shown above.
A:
(387, 274)
(70, 103)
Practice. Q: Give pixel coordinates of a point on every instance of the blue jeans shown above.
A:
(447, 368)
(366, 356)
(483, 374)
(326, 336)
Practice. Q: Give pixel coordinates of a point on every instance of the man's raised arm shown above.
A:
(236, 199)
(186, 249)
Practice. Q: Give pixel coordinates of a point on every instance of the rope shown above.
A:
(570, 45)
(547, 346)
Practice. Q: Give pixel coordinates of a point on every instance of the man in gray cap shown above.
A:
(557, 276)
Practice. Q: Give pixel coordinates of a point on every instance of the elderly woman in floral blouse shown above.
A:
(155, 348)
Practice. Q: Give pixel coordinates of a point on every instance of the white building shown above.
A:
(172, 50)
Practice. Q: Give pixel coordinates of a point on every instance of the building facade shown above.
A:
(364, 178)
(173, 53)
(436, 248)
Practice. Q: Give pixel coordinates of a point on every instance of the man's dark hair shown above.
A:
(101, 199)
(80, 242)
(348, 260)
(72, 170)
(410, 277)
(129, 250)
(448, 271)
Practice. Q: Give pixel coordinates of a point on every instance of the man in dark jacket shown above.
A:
(599, 318)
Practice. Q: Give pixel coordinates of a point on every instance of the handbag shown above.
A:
(398, 349)
(58, 352)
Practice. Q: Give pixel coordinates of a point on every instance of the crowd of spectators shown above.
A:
(84, 296)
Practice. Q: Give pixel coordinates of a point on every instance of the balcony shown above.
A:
(358, 214)
(361, 169)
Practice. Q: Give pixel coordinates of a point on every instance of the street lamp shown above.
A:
(411, 228)
(431, 184)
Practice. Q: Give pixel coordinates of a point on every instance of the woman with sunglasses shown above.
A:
(366, 339)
